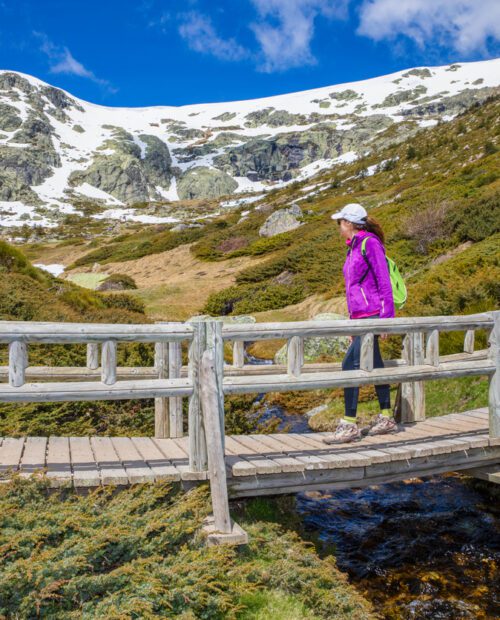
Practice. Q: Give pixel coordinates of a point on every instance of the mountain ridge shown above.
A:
(56, 149)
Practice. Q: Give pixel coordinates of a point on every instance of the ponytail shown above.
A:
(372, 226)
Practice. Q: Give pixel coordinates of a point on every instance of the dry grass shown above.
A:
(174, 285)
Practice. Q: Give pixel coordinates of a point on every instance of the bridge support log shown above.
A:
(197, 441)
(162, 427)
(175, 402)
(494, 389)
(215, 344)
(220, 530)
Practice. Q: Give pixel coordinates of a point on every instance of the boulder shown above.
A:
(202, 182)
(315, 348)
(281, 221)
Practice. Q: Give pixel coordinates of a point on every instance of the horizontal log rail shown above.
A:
(42, 374)
(77, 333)
(355, 378)
(307, 329)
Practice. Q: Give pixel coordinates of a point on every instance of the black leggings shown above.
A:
(351, 362)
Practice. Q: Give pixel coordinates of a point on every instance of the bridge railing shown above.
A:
(420, 360)
(168, 381)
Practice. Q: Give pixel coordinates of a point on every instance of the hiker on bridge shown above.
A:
(369, 295)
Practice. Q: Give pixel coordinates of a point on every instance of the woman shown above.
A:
(369, 295)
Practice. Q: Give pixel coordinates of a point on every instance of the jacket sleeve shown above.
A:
(375, 255)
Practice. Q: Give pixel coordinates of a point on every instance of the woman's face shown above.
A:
(347, 229)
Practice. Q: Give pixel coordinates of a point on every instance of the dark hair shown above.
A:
(372, 226)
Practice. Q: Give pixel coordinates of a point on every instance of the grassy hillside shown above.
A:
(437, 196)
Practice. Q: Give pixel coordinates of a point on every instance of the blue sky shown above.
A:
(175, 52)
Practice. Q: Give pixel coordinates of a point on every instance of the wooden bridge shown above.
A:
(247, 465)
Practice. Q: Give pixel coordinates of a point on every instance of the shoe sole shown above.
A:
(392, 430)
(338, 441)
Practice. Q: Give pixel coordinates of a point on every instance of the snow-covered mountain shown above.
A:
(56, 149)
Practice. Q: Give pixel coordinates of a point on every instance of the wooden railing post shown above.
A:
(221, 530)
(238, 353)
(432, 348)
(197, 441)
(469, 341)
(413, 394)
(18, 362)
(295, 355)
(366, 354)
(494, 389)
(93, 356)
(175, 402)
(215, 344)
(215, 451)
(162, 427)
(108, 362)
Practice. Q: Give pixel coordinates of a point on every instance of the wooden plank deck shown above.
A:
(261, 464)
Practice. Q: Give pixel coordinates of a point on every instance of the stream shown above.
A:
(422, 549)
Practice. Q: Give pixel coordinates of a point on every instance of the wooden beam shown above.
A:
(92, 355)
(215, 450)
(366, 356)
(93, 390)
(469, 341)
(238, 353)
(215, 344)
(18, 361)
(196, 426)
(352, 378)
(73, 333)
(109, 362)
(357, 327)
(174, 402)
(162, 427)
(494, 388)
(432, 348)
(295, 356)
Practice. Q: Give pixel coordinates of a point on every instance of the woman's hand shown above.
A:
(384, 336)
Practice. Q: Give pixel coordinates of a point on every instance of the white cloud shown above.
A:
(63, 61)
(464, 25)
(285, 29)
(199, 33)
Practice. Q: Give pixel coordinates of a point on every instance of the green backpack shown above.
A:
(398, 284)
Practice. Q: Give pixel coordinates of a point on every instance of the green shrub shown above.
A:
(125, 281)
(124, 301)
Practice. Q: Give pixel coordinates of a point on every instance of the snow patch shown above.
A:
(55, 269)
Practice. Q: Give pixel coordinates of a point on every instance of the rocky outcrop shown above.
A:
(316, 349)
(202, 182)
(9, 117)
(281, 221)
(455, 104)
(274, 118)
(280, 157)
(128, 173)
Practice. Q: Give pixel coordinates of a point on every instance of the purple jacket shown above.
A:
(367, 281)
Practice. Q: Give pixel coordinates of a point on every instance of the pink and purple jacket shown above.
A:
(367, 281)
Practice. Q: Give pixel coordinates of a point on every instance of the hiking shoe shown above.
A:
(382, 425)
(344, 433)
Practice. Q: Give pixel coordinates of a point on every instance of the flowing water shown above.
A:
(423, 549)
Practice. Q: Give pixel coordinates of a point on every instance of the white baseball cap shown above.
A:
(353, 212)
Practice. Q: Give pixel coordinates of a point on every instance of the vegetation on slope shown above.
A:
(429, 207)
(139, 553)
